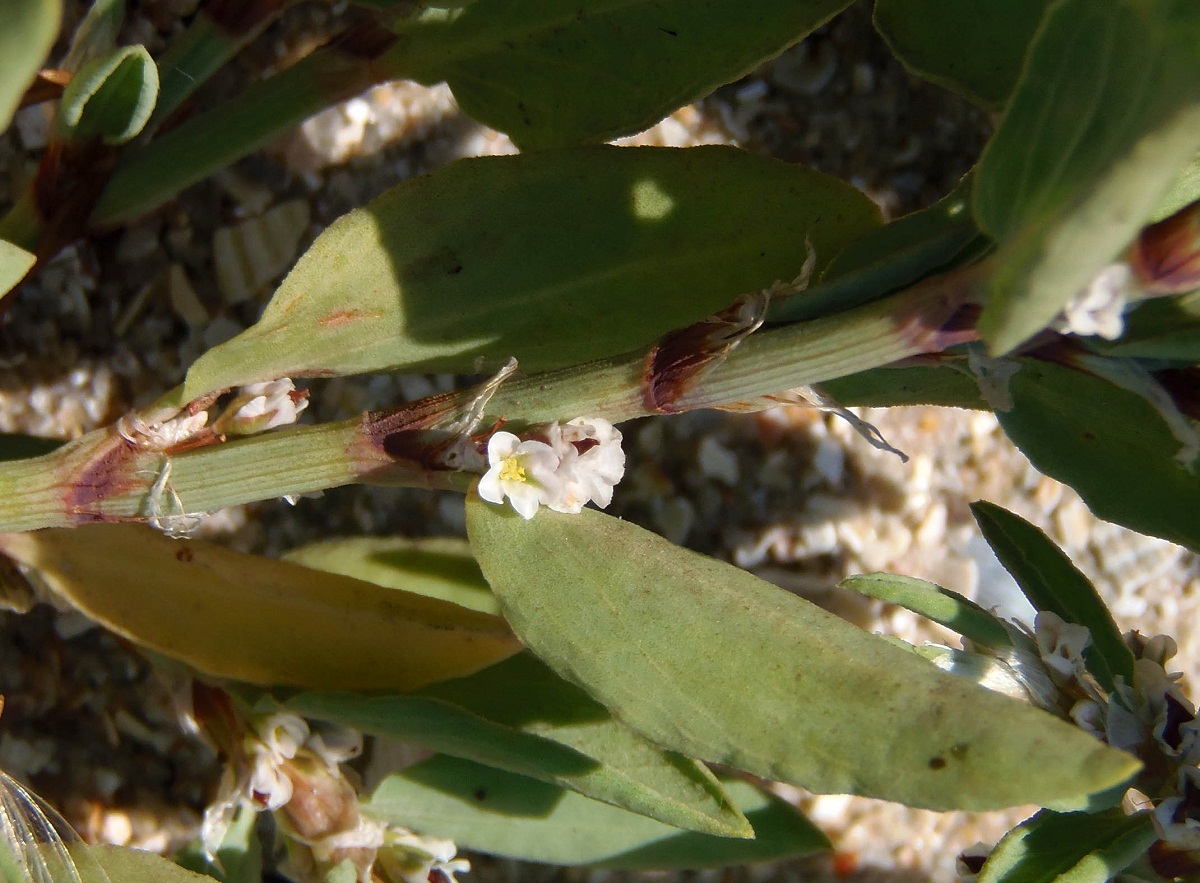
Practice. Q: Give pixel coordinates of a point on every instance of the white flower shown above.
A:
(281, 735)
(1172, 819)
(523, 471)
(160, 436)
(413, 858)
(262, 406)
(1099, 309)
(591, 463)
(581, 463)
(1061, 644)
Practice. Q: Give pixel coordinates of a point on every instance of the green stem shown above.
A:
(103, 477)
(771, 360)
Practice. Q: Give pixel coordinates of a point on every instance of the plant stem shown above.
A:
(103, 477)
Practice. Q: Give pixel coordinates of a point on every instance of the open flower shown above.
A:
(523, 471)
(591, 463)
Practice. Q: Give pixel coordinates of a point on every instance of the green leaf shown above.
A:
(556, 258)
(504, 814)
(134, 866)
(1110, 444)
(1051, 582)
(96, 35)
(1070, 848)
(551, 73)
(941, 383)
(712, 662)
(933, 602)
(1184, 191)
(265, 621)
(437, 567)
(521, 717)
(1163, 328)
(30, 27)
(15, 262)
(110, 98)
(887, 259)
(974, 47)
(1106, 114)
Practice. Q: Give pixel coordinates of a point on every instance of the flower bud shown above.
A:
(1166, 256)
(262, 406)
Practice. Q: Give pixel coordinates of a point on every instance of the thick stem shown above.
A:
(104, 477)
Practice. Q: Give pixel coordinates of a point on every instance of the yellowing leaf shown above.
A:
(239, 616)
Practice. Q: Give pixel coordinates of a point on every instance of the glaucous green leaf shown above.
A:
(15, 262)
(1069, 848)
(933, 602)
(1165, 328)
(30, 27)
(521, 717)
(255, 619)
(973, 47)
(96, 34)
(437, 567)
(551, 73)
(1105, 116)
(887, 259)
(1184, 191)
(943, 384)
(110, 97)
(492, 811)
(1111, 444)
(717, 664)
(134, 866)
(1052, 582)
(556, 258)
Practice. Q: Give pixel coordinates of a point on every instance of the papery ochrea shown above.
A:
(577, 463)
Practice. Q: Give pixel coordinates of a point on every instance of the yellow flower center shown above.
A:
(512, 470)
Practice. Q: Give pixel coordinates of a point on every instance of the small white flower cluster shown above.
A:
(574, 464)
(414, 858)
(283, 766)
(1099, 309)
(261, 406)
(1152, 717)
(256, 408)
(260, 777)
